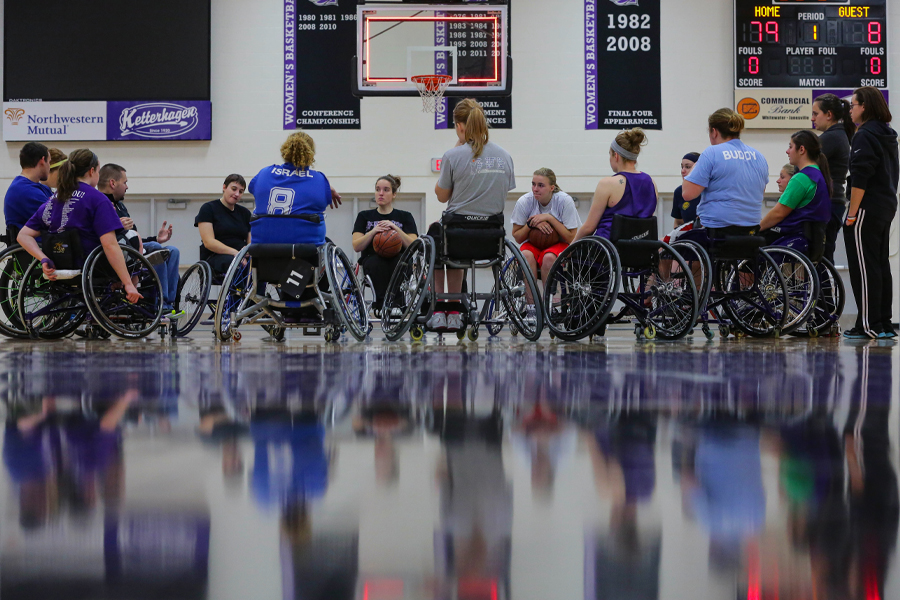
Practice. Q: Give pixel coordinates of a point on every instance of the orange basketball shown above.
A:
(387, 244)
(541, 240)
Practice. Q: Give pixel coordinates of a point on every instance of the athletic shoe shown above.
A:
(437, 321)
(889, 331)
(531, 313)
(454, 321)
(858, 334)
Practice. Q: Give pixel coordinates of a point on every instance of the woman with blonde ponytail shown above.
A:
(475, 177)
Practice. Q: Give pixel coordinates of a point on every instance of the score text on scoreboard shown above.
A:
(823, 44)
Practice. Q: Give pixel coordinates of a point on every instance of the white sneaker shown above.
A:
(531, 313)
(437, 321)
(454, 321)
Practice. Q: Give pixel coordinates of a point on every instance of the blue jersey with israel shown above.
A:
(288, 190)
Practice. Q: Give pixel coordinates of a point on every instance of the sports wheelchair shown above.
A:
(657, 288)
(88, 291)
(13, 261)
(278, 287)
(466, 242)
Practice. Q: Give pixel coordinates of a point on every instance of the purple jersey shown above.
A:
(818, 209)
(639, 200)
(88, 211)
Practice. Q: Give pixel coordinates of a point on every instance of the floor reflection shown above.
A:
(396, 474)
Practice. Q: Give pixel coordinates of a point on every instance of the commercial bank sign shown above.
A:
(106, 121)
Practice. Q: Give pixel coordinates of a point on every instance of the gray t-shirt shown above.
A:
(480, 184)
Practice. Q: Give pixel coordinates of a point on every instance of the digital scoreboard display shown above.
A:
(810, 43)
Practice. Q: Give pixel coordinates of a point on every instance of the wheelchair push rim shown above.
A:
(516, 283)
(232, 295)
(193, 296)
(695, 255)
(762, 309)
(346, 293)
(830, 304)
(407, 288)
(14, 260)
(802, 283)
(50, 309)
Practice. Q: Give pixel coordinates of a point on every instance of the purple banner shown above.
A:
(440, 68)
(590, 64)
(175, 120)
(290, 64)
(845, 94)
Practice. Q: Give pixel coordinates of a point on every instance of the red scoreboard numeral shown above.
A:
(874, 32)
(875, 65)
(753, 65)
(757, 28)
(772, 30)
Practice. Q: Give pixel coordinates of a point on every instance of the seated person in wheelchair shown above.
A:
(27, 191)
(629, 192)
(546, 213)
(379, 262)
(78, 207)
(224, 225)
(475, 177)
(730, 178)
(806, 199)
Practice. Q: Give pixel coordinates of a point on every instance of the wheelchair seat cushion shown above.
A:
(263, 251)
(471, 237)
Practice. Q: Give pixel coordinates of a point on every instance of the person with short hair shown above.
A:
(27, 192)
(57, 158)
(874, 172)
(114, 183)
(682, 210)
(831, 116)
(78, 206)
(224, 225)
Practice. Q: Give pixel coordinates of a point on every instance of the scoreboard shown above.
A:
(822, 44)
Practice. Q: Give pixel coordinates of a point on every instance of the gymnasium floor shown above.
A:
(496, 469)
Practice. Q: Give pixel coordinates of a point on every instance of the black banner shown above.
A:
(319, 45)
(497, 110)
(621, 64)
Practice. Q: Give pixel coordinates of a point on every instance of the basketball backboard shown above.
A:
(398, 42)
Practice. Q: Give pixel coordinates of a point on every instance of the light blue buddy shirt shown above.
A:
(735, 177)
(289, 190)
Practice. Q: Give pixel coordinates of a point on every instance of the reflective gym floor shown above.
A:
(497, 469)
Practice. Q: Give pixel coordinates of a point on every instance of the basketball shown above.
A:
(541, 240)
(387, 244)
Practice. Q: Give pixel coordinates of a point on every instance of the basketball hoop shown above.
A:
(431, 88)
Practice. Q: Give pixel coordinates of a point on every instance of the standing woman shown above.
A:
(629, 192)
(370, 223)
(831, 116)
(224, 225)
(874, 171)
(682, 211)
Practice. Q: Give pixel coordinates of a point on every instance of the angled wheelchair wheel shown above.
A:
(581, 288)
(408, 287)
(233, 295)
(517, 284)
(698, 262)
(672, 296)
(346, 293)
(13, 262)
(756, 295)
(193, 295)
(830, 304)
(50, 309)
(802, 282)
(106, 299)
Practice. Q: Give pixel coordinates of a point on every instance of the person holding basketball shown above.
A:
(629, 192)
(544, 222)
(380, 235)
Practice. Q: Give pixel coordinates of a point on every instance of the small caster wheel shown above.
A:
(331, 335)
(236, 336)
(416, 333)
(638, 332)
(740, 334)
(724, 331)
(709, 334)
(813, 332)
(473, 334)
(650, 331)
(552, 336)
(777, 333)
(513, 330)
(602, 331)
(591, 338)
(460, 333)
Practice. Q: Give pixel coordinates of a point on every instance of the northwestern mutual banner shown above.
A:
(92, 121)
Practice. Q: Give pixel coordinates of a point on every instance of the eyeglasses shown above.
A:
(852, 104)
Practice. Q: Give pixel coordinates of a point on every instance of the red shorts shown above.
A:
(555, 249)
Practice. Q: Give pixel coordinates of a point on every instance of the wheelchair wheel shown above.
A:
(407, 289)
(698, 262)
(802, 284)
(106, 300)
(586, 276)
(757, 299)
(516, 284)
(193, 294)
(232, 295)
(830, 304)
(13, 262)
(50, 309)
(672, 294)
(346, 293)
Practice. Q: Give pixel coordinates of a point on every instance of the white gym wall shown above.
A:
(548, 119)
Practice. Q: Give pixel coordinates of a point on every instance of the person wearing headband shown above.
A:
(683, 211)
(57, 158)
(27, 192)
(629, 192)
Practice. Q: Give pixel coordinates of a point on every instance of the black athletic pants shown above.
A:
(868, 257)
(379, 270)
(833, 229)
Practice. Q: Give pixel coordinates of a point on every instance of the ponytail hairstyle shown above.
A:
(550, 175)
(631, 141)
(810, 141)
(469, 113)
(728, 123)
(299, 150)
(79, 163)
(393, 180)
(840, 111)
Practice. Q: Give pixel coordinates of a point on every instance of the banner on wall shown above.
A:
(319, 45)
(622, 86)
(781, 108)
(107, 121)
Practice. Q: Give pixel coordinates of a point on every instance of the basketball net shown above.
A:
(431, 88)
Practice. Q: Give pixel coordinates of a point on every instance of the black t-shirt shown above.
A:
(681, 209)
(231, 227)
(366, 220)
